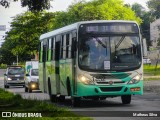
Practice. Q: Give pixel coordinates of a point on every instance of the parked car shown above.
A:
(146, 61)
(14, 76)
(32, 76)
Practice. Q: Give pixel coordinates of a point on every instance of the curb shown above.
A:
(152, 86)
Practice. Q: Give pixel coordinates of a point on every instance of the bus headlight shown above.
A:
(135, 79)
(9, 79)
(85, 80)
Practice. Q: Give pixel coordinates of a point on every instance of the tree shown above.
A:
(27, 27)
(33, 5)
(95, 10)
(154, 6)
(138, 9)
(146, 19)
(23, 38)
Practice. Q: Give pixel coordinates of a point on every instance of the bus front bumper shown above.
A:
(109, 90)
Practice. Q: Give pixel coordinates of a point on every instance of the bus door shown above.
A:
(57, 57)
(44, 65)
(73, 54)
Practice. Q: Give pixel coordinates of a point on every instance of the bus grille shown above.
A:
(116, 82)
(110, 89)
(111, 76)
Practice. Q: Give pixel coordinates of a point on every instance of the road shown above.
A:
(149, 102)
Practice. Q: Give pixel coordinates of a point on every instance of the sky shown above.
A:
(6, 14)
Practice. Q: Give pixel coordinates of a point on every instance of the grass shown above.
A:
(15, 103)
(146, 79)
(151, 70)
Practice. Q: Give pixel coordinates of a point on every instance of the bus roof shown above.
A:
(75, 26)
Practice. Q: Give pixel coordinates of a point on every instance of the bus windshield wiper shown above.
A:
(100, 42)
(120, 41)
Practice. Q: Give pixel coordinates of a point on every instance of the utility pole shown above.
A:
(17, 59)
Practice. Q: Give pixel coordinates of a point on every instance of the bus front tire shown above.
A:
(53, 98)
(126, 99)
(76, 101)
(61, 98)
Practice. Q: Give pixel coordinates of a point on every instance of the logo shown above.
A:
(110, 82)
(15, 114)
(6, 114)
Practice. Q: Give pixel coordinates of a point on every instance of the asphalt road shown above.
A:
(148, 103)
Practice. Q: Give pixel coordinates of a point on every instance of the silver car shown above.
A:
(14, 76)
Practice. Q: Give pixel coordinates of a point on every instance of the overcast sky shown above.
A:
(57, 5)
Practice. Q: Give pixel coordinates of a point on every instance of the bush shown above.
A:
(3, 66)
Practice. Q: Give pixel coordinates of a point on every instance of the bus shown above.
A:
(92, 60)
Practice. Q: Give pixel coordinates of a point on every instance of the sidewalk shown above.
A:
(152, 86)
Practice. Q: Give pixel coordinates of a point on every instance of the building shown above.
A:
(155, 32)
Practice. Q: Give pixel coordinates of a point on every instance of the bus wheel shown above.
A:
(95, 98)
(68, 87)
(126, 99)
(103, 98)
(61, 98)
(53, 98)
(76, 101)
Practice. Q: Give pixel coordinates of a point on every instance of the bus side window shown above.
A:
(44, 51)
(62, 37)
(70, 46)
(57, 47)
(40, 51)
(49, 49)
(67, 45)
(64, 47)
(53, 48)
(74, 44)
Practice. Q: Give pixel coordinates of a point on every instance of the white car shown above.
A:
(146, 61)
(31, 81)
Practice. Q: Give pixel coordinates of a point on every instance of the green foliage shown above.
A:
(146, 19)
(3, 66)
(36, 5)
(151, 70)
(158, 41)
(33, 5)
(23, 38)
(95, 10)
(154, 6)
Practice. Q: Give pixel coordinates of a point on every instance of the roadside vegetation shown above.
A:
(14, 103)
(151, 72)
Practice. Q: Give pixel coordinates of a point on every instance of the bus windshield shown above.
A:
(115, 53)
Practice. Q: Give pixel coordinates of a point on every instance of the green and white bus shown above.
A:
(92, 60)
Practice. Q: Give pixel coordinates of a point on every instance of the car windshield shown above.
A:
(34, 72)
(109, 52)
(16, 71)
